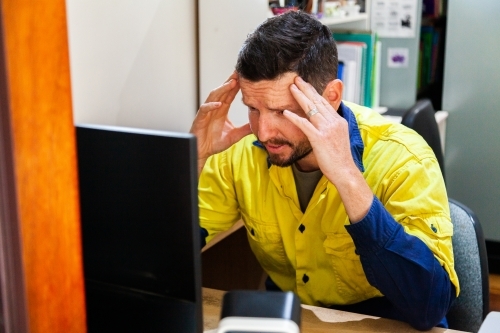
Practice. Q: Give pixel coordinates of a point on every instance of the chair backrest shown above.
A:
(471, 264)
(421, 117)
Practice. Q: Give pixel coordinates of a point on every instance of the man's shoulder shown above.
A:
(375, 129)
(369, 119)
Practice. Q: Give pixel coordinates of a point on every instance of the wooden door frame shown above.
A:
(12, 292)
(41, 270)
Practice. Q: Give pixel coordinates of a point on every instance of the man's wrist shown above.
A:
(356, 195)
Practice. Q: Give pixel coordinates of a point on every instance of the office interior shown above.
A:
(149, 65)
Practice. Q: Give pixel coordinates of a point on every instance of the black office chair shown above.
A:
(471, 264)
(421, 117)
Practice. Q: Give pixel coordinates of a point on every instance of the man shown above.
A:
(343, 208)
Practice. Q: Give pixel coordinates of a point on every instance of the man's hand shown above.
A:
(328, 134)
(326, 130)
(213, 129)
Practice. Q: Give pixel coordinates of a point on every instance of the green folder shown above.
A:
(369, 38)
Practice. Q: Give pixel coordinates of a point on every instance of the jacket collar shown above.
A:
(357, 146)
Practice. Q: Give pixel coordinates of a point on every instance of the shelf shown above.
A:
(332, 21)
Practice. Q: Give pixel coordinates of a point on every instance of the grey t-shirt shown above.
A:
(305, 182)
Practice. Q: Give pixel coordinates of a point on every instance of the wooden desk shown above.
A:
(316, 320)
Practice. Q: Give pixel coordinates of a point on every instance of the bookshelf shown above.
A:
(397, 87)
(360, 21)
(431, 52)
(219, 41)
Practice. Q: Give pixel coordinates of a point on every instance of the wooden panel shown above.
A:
(494, 292)
(228, 263)
(44, 163)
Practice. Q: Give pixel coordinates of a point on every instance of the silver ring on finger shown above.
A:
(312, 112)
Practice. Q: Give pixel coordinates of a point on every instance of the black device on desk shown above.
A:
(254, 311)
(140, 230)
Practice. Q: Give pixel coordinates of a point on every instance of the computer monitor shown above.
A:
(140, 230)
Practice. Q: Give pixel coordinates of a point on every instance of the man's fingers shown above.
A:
(220, 93)
(308, 90)
(302, 123)
(231, 94)
(233, 76)
(208, 107)
(310, 99)
(313, 110)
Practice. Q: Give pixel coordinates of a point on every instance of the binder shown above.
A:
(377, 62)
(369, 39)
(352, 55)
(350, 82)
(340, 71)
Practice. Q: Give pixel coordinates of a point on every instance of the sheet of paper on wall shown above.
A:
(394, 18)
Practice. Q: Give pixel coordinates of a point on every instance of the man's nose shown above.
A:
(267, 128)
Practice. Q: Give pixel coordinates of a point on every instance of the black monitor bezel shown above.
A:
(112, 290)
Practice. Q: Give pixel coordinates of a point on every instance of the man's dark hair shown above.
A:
(291, 42)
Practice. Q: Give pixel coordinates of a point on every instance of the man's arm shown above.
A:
(400, 265)
(328, 134)
(403, 268)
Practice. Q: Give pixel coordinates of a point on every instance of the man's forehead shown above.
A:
(275, 104)
(274, 93)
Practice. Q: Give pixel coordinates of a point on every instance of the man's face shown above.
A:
(266, 101)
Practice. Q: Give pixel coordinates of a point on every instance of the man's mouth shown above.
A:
(275, 147)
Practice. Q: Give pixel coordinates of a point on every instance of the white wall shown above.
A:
(471, 95)
(223, 27)
(133, 63)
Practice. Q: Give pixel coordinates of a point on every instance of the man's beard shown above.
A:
(299, 151)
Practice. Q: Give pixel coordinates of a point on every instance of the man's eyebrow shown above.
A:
(275, 109)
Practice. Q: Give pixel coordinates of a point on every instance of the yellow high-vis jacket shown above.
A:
(318, 254)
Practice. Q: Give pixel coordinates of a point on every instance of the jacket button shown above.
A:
(302, 228)
(433, 228)
(305, 278)
(252, 232)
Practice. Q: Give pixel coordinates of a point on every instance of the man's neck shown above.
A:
(308, 163)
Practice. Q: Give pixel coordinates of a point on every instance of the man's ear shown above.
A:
(333, 93)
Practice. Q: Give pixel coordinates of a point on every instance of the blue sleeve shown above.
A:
(203, 237)
(403, 268)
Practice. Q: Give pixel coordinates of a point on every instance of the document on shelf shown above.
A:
(396, 19)
(351, 54)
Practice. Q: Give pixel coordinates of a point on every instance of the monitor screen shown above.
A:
(140, 229)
